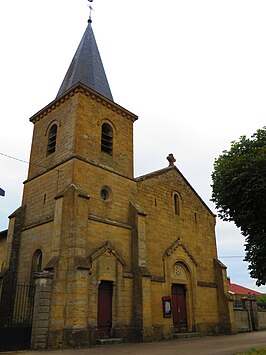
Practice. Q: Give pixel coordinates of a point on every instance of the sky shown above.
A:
(193, 71)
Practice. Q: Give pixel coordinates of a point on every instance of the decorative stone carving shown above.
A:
(108, 253)
(179, 272)
(171, 159)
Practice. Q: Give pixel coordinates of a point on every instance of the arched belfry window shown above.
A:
(107, 139)
(52, 139)
(177, 203)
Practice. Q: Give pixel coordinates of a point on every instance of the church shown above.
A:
(125, 257)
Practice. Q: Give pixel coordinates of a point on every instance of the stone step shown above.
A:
(186, 335)
(109, 341)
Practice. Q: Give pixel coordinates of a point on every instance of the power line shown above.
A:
(24, 161)
(40, 166)
(231, 256)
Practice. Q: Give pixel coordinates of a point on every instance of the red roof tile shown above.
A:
(240, 290)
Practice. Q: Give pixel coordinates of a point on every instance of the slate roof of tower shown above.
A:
(87, 67)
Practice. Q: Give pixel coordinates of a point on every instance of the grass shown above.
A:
(257, 351)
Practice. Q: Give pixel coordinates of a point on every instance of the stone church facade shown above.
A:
(127, 257)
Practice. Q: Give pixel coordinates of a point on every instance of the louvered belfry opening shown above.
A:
(52, 139)
(107, 139)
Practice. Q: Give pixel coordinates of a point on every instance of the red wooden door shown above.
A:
(105, 293)
(179, 308)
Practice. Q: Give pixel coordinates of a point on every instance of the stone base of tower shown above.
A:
(72, 338)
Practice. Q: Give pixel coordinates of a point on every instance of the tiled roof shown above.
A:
(240, 290)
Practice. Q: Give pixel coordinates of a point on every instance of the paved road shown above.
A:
(222, 345)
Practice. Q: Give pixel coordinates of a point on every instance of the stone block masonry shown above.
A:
(41, 314)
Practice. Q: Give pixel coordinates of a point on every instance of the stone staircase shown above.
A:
(186, 335)
(109, 341)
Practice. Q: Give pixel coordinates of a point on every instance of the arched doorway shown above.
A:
(105, 295)
(180, 299)
(179, 308)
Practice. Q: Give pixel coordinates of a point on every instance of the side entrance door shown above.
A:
(179, 308)
(105, 293)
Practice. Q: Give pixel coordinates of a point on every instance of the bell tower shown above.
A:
(79, 184)
(83, 128)
(83, 121)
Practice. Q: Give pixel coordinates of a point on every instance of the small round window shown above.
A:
(106, 193)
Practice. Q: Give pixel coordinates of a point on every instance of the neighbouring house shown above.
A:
(248, 314)
(238, 292)
(117, 255)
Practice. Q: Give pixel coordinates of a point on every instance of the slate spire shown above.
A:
(87, 67)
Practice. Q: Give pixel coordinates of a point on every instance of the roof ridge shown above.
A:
(154, 173)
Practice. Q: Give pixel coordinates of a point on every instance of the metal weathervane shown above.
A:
(91, 9)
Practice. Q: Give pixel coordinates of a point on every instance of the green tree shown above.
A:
(239, 193)
(261, 300)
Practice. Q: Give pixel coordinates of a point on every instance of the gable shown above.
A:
(175, 180)
(178, 244)
(106, 247)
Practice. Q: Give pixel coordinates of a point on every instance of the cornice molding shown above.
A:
(84, 160)
(207, 284)
(109, 221)
(80, 88)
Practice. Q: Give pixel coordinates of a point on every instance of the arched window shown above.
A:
(36, 264)
(107, 139)
(52, 139)
(176, 203)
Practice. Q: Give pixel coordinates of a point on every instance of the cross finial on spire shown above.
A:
(90, 20)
